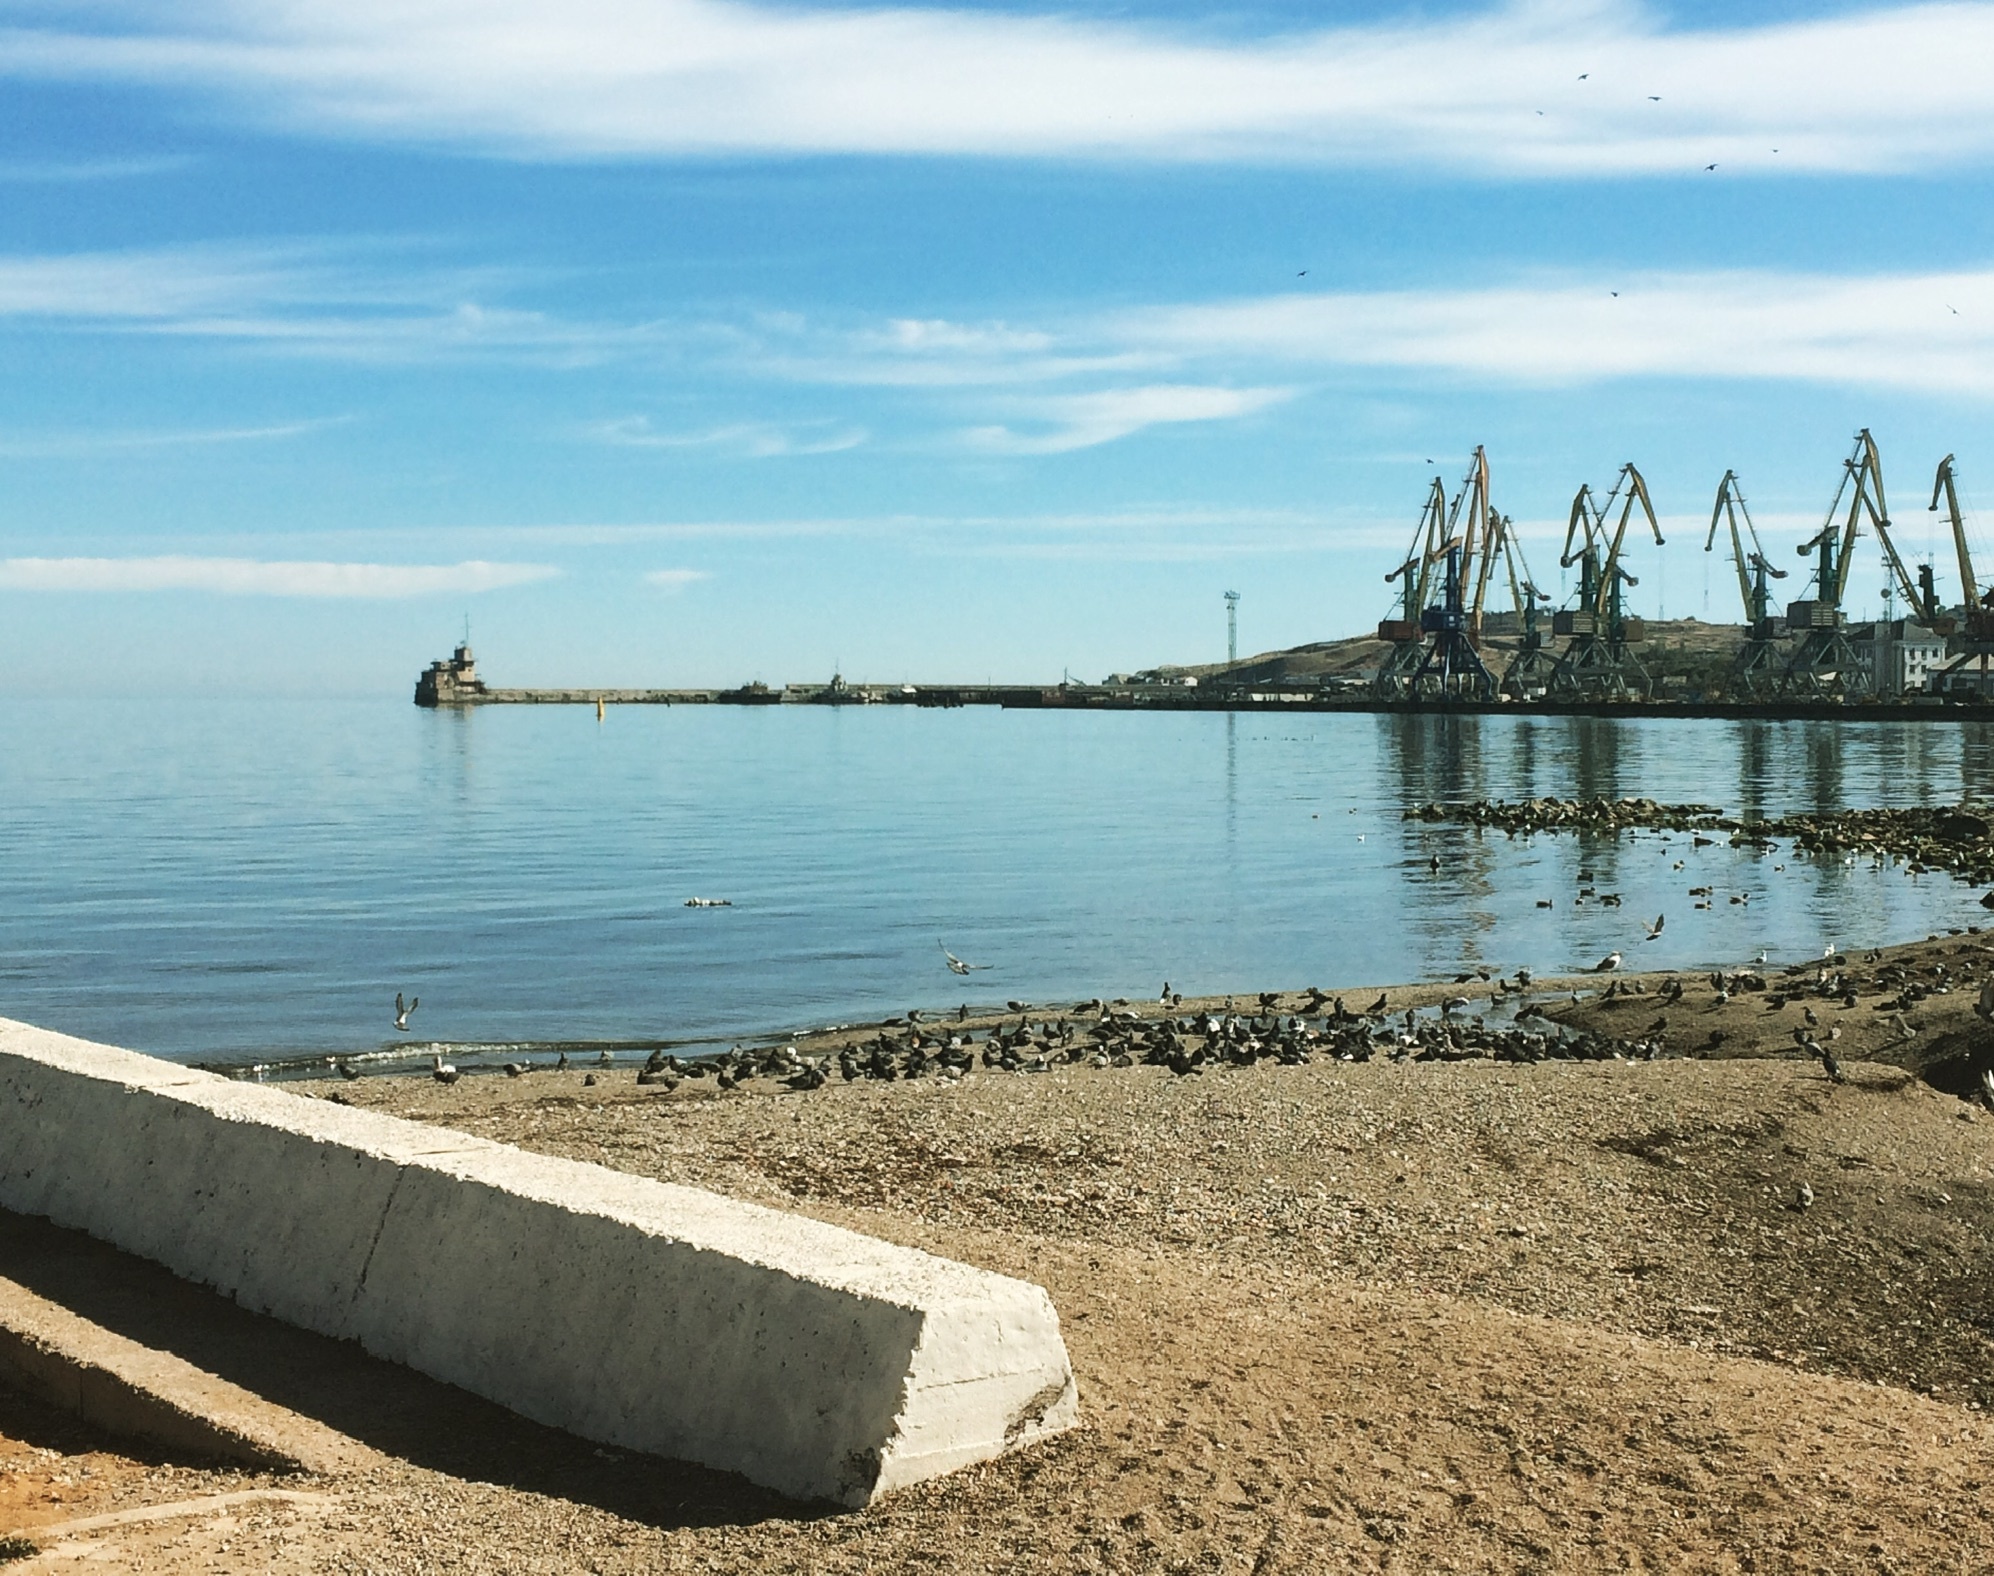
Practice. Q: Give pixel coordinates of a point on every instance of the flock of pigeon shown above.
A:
(1098, 1034)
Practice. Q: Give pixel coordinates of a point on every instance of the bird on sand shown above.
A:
(956, 965)
(403, 1009)
(442, 1071)
(1377, 1007)
(1607, 964)
(347, 1070)
(1654, 930)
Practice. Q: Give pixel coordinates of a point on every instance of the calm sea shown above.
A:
(253, 881)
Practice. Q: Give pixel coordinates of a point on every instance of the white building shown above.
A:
(1902, 656)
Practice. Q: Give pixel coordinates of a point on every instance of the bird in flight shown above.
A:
(1655, 929)
(402, 1010)
(1710, 166)
(1654, 98)
(956, 965)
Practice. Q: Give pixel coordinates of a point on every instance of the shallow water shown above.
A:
(245, 880)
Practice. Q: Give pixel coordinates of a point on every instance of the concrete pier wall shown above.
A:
(813, 1360)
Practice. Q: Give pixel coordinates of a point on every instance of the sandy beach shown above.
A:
(1712, 1311)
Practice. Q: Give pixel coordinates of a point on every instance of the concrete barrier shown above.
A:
(816, 1361)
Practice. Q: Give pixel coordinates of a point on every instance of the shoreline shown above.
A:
(1586, 1016)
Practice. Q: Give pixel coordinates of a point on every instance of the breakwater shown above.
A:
(1079, 697)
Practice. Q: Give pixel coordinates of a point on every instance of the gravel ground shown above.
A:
(1379, 1316)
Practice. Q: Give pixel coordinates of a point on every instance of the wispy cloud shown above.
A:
(69, 171)
(1930, 331)
(1539, 87)
(675, 579)
(260, 577)
(759, 440)
(68, 445)
(1083, 421)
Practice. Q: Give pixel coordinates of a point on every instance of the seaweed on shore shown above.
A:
(1954, 838)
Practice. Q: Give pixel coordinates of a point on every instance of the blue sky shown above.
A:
(688, 341)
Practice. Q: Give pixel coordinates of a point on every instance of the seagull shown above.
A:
(442, 1071)
(957, 966)
(1607, 964)
(402, 1010)
(1654, 931)
(1654, 98)
(1710, 166)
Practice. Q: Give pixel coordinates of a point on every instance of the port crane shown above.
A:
(1434, 641)
(1529, 671)
(1597, 662)
(1752, 673)
(1979, 618)
(1823, 662)
(1975, 647)
(1407, 640)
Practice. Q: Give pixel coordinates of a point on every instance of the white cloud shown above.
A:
(259, 577)
(675, 579)
(1925, 331)
(759, 440)
(1501, 90)
(63, 445)
(69, 171)
(1082, 421)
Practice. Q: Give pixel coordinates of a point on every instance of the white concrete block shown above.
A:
(816, 1361)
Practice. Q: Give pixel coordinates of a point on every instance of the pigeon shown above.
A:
(1653, 931)
(957, 966)
(402, 1010)
(1803, 1196)
(347, 1070)
(1607, 964)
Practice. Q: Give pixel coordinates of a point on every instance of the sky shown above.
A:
(682, 342)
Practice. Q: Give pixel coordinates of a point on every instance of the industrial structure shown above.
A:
(1755, 671)
(1441, 646)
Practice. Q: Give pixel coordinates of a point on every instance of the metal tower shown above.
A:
(1231, 628)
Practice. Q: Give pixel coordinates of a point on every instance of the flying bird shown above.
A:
(403, 1009)
(1654, 98)
(1710, 166)
(1654, 930)
(957, 966)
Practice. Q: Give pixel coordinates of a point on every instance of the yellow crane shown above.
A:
(1752, 671)
(1943, 483)
(1598, 662)
(1823, 662)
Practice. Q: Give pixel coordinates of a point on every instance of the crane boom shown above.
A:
(1943, 482)
(1637, 492)
(1869, 492)
(1729, 501)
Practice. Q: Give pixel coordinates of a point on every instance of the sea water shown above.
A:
(249, 881)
